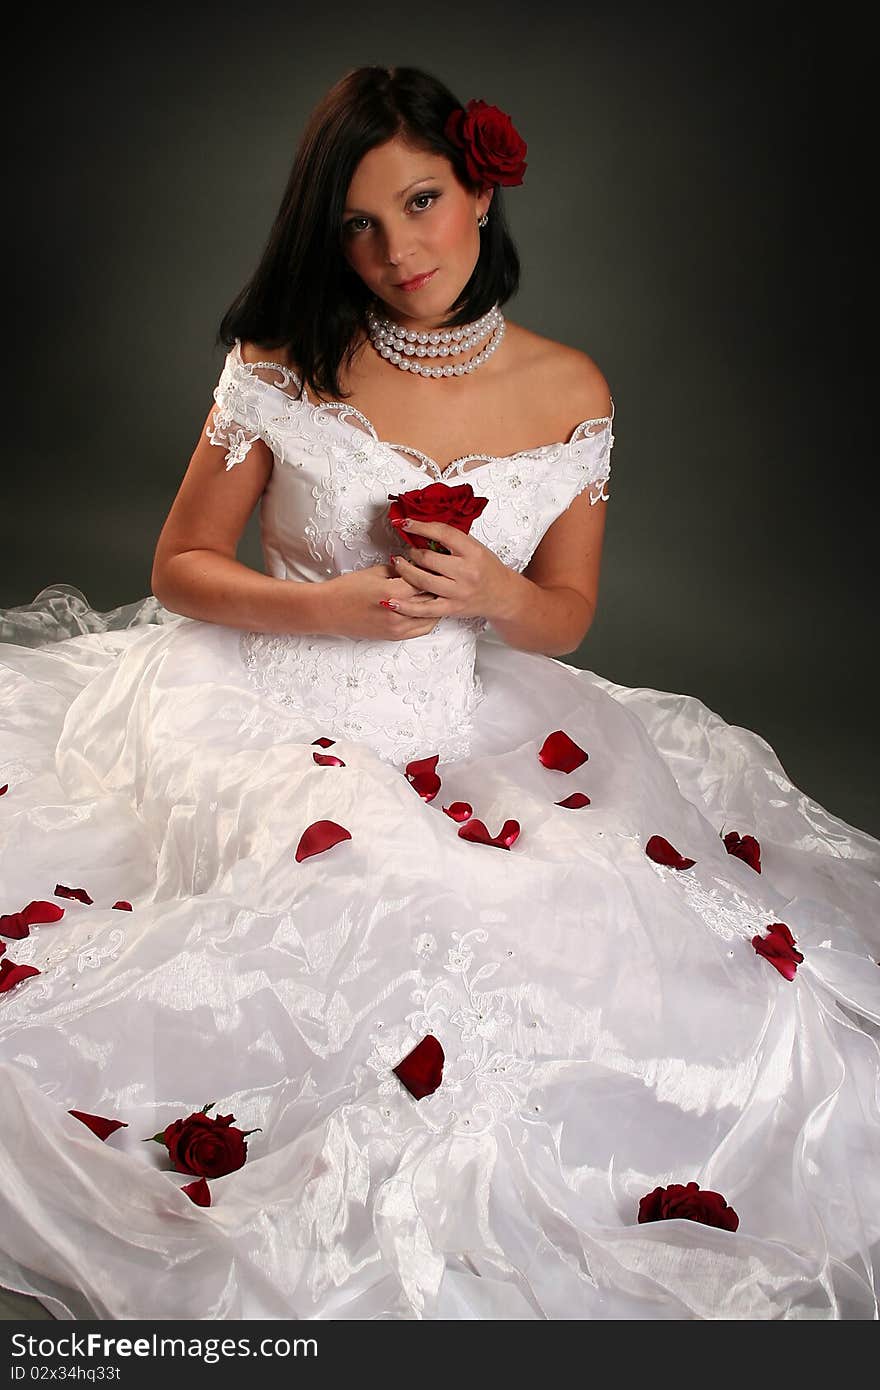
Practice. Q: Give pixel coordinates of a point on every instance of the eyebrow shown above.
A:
(397, 195)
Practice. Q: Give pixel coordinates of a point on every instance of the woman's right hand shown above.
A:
(354, 606)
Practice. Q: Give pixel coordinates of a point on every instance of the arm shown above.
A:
(552, 604)
(550, 607)
(196, 574)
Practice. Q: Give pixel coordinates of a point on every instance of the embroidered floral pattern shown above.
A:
(333, 476)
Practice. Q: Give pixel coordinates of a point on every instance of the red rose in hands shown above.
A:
(205, 1145)
(494, 151)
(456, 506)
(688, 1202)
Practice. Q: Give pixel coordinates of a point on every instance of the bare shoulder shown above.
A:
(569, 376)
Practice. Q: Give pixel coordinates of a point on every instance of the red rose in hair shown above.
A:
(494, 151)
(208, 1146)
(456, 506)
(688, 1202)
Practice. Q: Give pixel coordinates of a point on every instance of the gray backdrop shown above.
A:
(690, 218)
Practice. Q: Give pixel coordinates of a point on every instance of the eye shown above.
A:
(351, 226)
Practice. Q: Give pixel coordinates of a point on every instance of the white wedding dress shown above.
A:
(607, 1025)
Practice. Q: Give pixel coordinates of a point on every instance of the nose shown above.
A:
(398, 250)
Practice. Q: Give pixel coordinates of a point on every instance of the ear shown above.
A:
(484, 200)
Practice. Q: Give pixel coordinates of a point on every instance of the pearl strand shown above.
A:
(398, 345)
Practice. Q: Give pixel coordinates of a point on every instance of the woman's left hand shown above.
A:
(470, 582)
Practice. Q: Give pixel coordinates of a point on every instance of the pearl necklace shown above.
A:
(399, 345)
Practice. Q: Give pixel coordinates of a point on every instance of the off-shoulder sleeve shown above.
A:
(248, 407)
(590, 446)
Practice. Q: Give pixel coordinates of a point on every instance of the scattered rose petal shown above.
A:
(327, 760)
(198, 1192)
(324, 742)
(745, 848)
(79, 893)
(4, 789)
(662, 852)
(2, 947)
(14, 925)
(422, 774)
(686, 1201)
(459, 810)
(17, 925)
(575, 801)
(123, 905)
(476, 831)
(319, 836)
(560, 753)
(97, 1124)
(40, 912)
(779, 948)
(12, 974)
(422, 1070)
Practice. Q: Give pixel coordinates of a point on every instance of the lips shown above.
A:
(416, 281)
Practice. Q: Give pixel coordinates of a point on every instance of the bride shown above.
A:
(517, 993)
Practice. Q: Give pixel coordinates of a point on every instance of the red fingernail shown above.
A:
(396, 559)
(385, 603)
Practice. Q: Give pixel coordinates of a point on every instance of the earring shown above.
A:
(481, 221)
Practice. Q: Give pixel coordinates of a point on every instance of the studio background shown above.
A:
(690, 217)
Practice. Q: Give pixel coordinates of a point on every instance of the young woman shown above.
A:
(517, 993)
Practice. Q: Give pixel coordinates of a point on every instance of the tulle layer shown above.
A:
(607, 1024)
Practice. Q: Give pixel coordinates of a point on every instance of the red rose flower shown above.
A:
(205, 1145)
(687, 1202)
(494, 151)
(456, 506)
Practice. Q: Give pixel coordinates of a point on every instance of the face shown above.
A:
(407, 213)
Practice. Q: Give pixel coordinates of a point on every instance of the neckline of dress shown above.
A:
(343, 407)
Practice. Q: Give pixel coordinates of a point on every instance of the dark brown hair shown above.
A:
(304, 296)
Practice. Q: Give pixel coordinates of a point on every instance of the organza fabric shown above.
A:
(606, 1022)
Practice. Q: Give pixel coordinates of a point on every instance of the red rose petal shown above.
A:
(13, 924)
(324, 742)
(745, 848)
(198, 1192)
(12, 974)
(575, 801)
(40, 912)
(477, 832)
(459, 810)
(4, 789)
(79, 893)
(662, 852)
(2, 947)
(560, 753)
(123, 905)
(97, 1124)
(778, 947)
(319, 836)
(421, 773)
(422, 1070)
(327, 760)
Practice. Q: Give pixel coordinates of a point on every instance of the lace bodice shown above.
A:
(324, 513)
